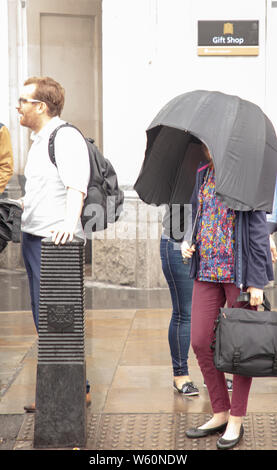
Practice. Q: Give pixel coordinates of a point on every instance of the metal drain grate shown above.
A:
(163, 431)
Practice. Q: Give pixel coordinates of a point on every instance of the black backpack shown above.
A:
(104, 201)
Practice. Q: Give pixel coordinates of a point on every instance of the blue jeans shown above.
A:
(31, 251)
(180, 286)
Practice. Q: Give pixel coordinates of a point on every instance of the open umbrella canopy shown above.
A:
(241, 140)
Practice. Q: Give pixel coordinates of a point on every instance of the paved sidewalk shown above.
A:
(128, 364)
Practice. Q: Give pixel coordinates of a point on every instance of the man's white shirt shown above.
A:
(46, 185)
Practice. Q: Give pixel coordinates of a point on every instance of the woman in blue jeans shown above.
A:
(180, 286)
(177, 275)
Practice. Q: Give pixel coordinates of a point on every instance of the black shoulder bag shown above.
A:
(246, 340)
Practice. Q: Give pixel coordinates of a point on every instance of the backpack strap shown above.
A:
(51, 142)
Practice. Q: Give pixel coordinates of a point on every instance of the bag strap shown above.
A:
(245, 297)
(51, 142)
(240, 252)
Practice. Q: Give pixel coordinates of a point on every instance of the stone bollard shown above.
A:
(60, 418)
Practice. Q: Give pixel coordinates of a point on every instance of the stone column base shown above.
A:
(128, 252)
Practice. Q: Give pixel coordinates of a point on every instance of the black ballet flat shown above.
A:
(195, 433)
(224, 444)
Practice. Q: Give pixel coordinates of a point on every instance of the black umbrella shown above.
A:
(239, 136)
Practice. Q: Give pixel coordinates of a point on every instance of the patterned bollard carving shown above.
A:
(60, 418)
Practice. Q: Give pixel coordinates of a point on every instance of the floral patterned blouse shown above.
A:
(216, 236)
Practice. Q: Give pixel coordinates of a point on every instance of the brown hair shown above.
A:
(207, 155)
(50, 92)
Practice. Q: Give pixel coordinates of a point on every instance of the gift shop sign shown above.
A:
(228, 38)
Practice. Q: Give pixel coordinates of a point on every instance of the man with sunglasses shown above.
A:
(54, 196)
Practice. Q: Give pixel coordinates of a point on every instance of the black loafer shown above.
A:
(195, 433)
(188, 389)
(224, 444)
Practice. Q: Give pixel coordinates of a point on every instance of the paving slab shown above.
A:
(134, 405)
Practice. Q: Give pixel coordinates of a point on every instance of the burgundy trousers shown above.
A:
(207, 299)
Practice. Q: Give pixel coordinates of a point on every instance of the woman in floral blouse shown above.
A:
(214, 268)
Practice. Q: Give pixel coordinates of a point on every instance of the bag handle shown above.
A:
(245, 297)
